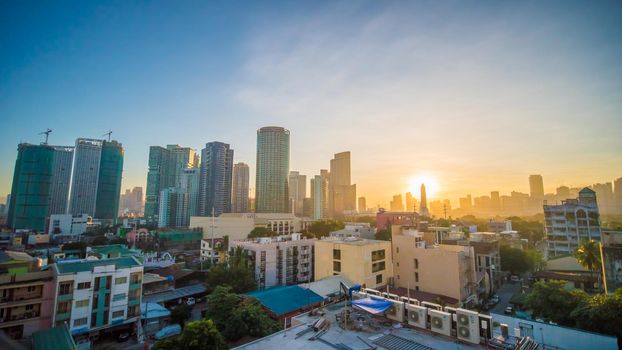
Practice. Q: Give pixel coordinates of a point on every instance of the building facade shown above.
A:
(109, 181)
(215, 183)
(241, 181)
(173, 208)
(96, 295)
(341, 193)
(297, 192)
(319, 197)
(32, 179)
(68, 224)
(61, 179)
(271, 189)
(281, 260)
(567, 224)
(190, 182)
(364, 261)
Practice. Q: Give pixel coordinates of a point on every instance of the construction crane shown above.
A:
(47, 134)
(108, 133)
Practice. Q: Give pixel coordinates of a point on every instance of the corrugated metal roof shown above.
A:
(175, 294)
(285, 299)
(56, 338)
(88, 265)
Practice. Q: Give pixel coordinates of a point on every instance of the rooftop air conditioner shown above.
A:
(468, 326)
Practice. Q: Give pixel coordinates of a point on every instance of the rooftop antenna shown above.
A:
(47, 134)
(108, 133)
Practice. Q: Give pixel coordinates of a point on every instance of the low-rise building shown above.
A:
(280, 260)
(356, 229)
(364, 261)
(417, 265)
(94, 295)
(26, 295)
(68, 224)
(212, 254)
(238, 225)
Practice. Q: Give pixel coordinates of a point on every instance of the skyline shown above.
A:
(477, 102)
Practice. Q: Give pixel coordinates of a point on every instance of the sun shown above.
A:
(431, 185)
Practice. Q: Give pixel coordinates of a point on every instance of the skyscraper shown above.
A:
(411, 202)
(61, 179)
(215, 185)
(423, 209)
(190, 182)
(397, 204)
(32, 179)
(166, 166)
(342, 194)
(241, 179)
(271, 189)
(297, 192)
(173, 208)
(536, 192)
(319, 195)
(96, 178)
(362, 204)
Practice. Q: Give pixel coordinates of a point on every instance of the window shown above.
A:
(379, 279)
(120, 280)
(397, 249)
(377, 255)
(84, 285)
(337, 266)
(63, 307)
(65, 288)
(379, 266)
(117, 314)
(118, 297)
(32, 288)
(30, 307)
(82, 303)
(80, 322)
(337, 254)
(416, 276)
(416, 263)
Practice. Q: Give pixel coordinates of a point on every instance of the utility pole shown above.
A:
(47, 133)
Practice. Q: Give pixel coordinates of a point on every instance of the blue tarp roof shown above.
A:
(153, 310)
(372, 305)
(285, 299)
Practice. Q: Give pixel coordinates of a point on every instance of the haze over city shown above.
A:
(412, 90)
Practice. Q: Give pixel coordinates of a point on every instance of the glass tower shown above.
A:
(271, 190)
(109, 181)
(216, 172)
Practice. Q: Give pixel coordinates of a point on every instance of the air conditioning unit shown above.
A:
(485, 326)
(396, 311)
(468, 326)
(454, 319)
(431, 305)
(440, 322)
(417, 315)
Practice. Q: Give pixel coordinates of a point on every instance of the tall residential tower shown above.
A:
(215, 182)
(271, 189)
(241, 179)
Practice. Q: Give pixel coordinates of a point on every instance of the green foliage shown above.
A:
(181, 313)
(552, 302)
(196, 335)
(99, 240)
(371, 220)
(261, 232)
(514, 260)
(236, 274)
(74, 246)
(220, 305)
(588, 255)
(383, 235)
(531, 230)
(601, 313)
(322, 228)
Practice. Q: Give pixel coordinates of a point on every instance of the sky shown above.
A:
(474, 95)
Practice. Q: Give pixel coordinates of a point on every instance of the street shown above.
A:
(505, 294)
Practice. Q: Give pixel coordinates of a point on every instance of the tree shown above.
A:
(249, 319)
(528, 229)
(261, 232)
(74, 246)
(100, 240)
(588, 255)
(552, 302)
(197, 335)
(236, 273)
(514, 260)
(323, 228)
(181, 313)
(220, 305)
(384, 235)
(601, 313)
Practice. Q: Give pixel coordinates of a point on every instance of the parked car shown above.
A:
(514, 278)
(508, 310)
(123, 337)
(168, 331)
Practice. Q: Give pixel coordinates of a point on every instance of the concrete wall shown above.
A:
(556, 336)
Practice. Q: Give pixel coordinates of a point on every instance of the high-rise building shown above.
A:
(216, 173)
(173, 208)
(423, 209)
(319, 195)
(297, 192)
(271, 189)
(362, 204)
(466, 203)
(411, 202)
(166, 166)
(617, 195)
(190, 182)
(61, 179)
(536, 192)
(341, 193)
(604, 192)
(241, 180)
(495, 201)
(96, 178)
(397, 204)
(32, 179)
(563, 192)
(566, 225)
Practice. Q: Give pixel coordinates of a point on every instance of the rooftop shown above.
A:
(282, 300)
(351, 240)
(88, 265)
(56, 338)
(174, 294)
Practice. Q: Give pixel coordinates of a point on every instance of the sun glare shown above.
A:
(431, 185)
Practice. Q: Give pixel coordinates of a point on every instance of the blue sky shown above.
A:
(477, 95)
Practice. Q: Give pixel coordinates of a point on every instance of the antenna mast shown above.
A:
(47, 134)
(108, 133)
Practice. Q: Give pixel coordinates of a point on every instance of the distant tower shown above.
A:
(423, 209)
(271, 189)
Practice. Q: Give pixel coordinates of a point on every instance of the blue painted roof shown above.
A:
(285, 299)
(55, 338)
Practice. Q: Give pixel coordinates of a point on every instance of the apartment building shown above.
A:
(363, 261)
(95, 295)
(26, 295)
(281, 260)
(417, 265)
(239, 225)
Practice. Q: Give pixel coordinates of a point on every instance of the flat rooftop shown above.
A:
(370, 331)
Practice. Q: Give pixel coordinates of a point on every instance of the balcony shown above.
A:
(135, 285)
(65, 297)
(63, 316)
(19, 317)
(133, 302)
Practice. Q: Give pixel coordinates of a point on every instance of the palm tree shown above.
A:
(588, 255)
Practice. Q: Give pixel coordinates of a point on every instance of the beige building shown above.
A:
(447, 270)
(363, 261)
(239, 225)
